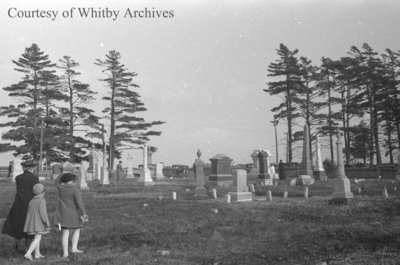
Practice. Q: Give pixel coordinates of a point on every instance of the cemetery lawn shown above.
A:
(129, 224)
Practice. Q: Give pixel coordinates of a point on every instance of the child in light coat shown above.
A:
(37, 221)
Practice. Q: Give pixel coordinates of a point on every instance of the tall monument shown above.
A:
(145, 176)
(305, 166)
(341, 184)
(319, 171)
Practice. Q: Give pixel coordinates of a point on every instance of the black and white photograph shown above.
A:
(199, 132)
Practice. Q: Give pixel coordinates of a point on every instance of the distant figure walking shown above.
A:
(120, 171)
(70, 211)
(9, 170)
(37, 221)
(15, 222)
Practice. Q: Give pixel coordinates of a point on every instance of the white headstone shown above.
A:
(214, 193)
(145, 175)
(269, 196)
(129, 173)
(104, 180)
(318, 162)
(159, 171)
(228, 198)
(239, 190)
(83, 170)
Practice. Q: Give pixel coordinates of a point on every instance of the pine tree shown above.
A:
(126, 128)
(78, 117)
(327, 84)
(391, 107)
(308, 99)
(370, 77)
(286, 69)
(25, 118)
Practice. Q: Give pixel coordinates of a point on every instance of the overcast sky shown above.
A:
(203, 70)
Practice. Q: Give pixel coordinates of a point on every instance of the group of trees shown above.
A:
(54, 117)
(357, 94)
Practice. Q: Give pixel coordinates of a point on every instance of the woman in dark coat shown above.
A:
(14, 224)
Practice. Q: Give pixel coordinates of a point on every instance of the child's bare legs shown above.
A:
(33, 246)
(75, 240)
(64, 242)
(38, 255)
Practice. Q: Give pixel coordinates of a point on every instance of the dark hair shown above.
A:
(67, 177)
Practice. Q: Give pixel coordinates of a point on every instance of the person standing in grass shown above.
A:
(9, 170)
(120, 171)
(14, 224)
(70, 211)
(37, 221)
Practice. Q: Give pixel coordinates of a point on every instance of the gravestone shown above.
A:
(305, 166)
(341, 184)
(159, 171)
(264, 175)
(145, 175)
(198, 166)
(221, 173)
(269, 196)
(104, 180)
(239, 191)
(68, 167)
(57, 170)
(82, 180)
(319, 171)
(305, 192)
(273, 173)
(95, 164)
(305, 180)
(129, 172)
(214, 193)
(252, 177)
(16, 168)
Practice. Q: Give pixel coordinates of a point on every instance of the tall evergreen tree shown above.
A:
(78, 117)
(126, 128)
(25, 118)
(286, 80)
(347, 87)
(327, 84)
(371, 79)
(359, 148)
(308, 100)
(391, 102)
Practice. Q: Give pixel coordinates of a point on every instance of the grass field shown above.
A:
(143, 225)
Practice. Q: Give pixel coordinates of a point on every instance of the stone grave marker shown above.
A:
(83, 170)
(214, 193)
(239, 191)
(264, 176)
(57, 170)
(269, 196)
(319, 171)
(159, 171)
(341, 184)
(145, 176)
(221, 172)
(198, 166)
(306, 192)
